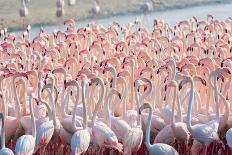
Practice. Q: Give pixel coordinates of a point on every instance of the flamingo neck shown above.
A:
(227, 109)
(65, 104)
(23, 3)
(131, 83)
(113, 71)
(137, 106)
(32, 117)
(124, 90)
(98, 103)
(23, 99)
(216, 97)
(180, 114)
(173, 106)
(3, 131)
(107, 110)
(53, 105)
(209, 92)
(44, 102)
(16, 100)
(84, 107)
(189, 126)
(148, 129)
(173, 64)
(75, 109)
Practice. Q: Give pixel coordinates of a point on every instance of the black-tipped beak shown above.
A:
(180, 87)
(158, 71)
(119, 96)
(229, 72)
(145, 88)
(140, 112)
(165, 88)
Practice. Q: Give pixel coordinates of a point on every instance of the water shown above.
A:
(219, 11)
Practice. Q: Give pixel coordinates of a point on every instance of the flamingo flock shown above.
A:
(118, 90)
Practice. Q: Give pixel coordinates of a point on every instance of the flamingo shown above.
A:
(196, 52)
(46, 129)
(201, 132)
(59, 129)
(26, 143)
(23, 11)
(95, 10)
(118, 125)
(174, 130)
(81, 138)
(4, 150)
(102, 134)
(157, 148)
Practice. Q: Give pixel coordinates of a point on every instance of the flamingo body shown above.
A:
(6, 151)
(166, 135)
(105, 137)
(80, 142)
(229, 137)
(25, 145)
(44, 134)
(119, 127)
(204, 133)
(162, 149)
(133, 140)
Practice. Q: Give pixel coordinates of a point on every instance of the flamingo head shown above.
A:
(184, 81)
(144, 106)
(171, 84)
(200, 79)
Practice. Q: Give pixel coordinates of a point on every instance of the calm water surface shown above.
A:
(219, 11)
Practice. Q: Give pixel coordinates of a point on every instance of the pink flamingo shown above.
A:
(201, 132)
(102, 134)
(81, 138)
(4, 150)
(26, 143)
(157, 148)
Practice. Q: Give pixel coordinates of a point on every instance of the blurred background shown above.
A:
(44, 12)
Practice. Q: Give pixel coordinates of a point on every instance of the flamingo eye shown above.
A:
(106, 141)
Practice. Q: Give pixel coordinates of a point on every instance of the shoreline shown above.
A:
(39, 20)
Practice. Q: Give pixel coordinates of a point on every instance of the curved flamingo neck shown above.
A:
(123, 92)
(173, 65)
(44, 102)
(98, 102)
(23, 97)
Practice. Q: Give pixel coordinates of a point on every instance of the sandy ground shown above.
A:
(44, 11)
